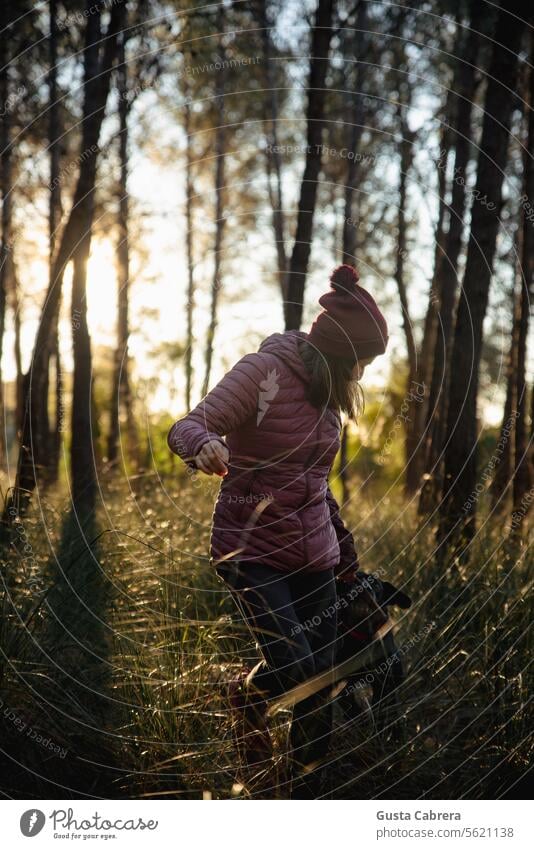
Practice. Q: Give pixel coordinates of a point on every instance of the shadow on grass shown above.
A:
(55, 686)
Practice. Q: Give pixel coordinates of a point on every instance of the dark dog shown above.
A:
(363, 614)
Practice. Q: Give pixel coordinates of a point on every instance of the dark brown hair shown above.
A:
(331, 382)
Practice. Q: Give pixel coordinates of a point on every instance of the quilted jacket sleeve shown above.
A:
(348, 561)
(225, 408)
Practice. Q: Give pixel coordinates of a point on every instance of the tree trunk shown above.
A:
(355, 134)
(503, 471)
(406, 158)
(220, 152)
(54, 132)
(343, 464)
(53, 436)
(96, 87)
(82, 461)
(121, 400)
(17, 354)
(189, 215)
(418, 400)
(274, 164)
(6, 189)
(458, 506)
(298, 265)
(448, 283)
(349, 231)
(523, 477)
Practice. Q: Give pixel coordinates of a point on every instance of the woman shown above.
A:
(278, 540)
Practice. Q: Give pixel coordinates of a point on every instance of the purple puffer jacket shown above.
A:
(274, 505)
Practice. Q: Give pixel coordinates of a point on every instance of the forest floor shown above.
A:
(116, 653)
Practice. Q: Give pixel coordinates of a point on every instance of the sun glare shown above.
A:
(102, 288)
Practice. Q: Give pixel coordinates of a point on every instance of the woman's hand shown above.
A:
(213, 458)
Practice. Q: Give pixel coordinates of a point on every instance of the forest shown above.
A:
(177, 181)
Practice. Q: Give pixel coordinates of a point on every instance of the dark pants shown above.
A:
(293, 619)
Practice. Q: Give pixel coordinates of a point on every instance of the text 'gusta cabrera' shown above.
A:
(418, 815)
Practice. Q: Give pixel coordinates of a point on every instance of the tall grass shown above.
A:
(126, 657)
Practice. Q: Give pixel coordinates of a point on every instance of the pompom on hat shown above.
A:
(350, 324)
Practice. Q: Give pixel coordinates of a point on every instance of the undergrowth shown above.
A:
(118, 642)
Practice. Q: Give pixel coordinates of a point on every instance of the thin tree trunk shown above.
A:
(121, 401)
(343, 464)
(82, 461)
(355, 134)
(17, 355)
(189, 216)
(277, 217)
(54, 132)
(220, 152)
(418, 400)
(523, 476)
(53, 436)
(349, 231)
(274, 163)
(406, 159)
(6, 188)
(298, 265)
(503, 471)
(96, 87)
(448, 284)
(458, 506)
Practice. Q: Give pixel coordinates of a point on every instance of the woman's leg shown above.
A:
(264, 598)
(293, 619)
(314, 600)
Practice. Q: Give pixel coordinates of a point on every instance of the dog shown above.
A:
(363, 615)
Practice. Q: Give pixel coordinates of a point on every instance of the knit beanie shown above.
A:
(350, 324)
